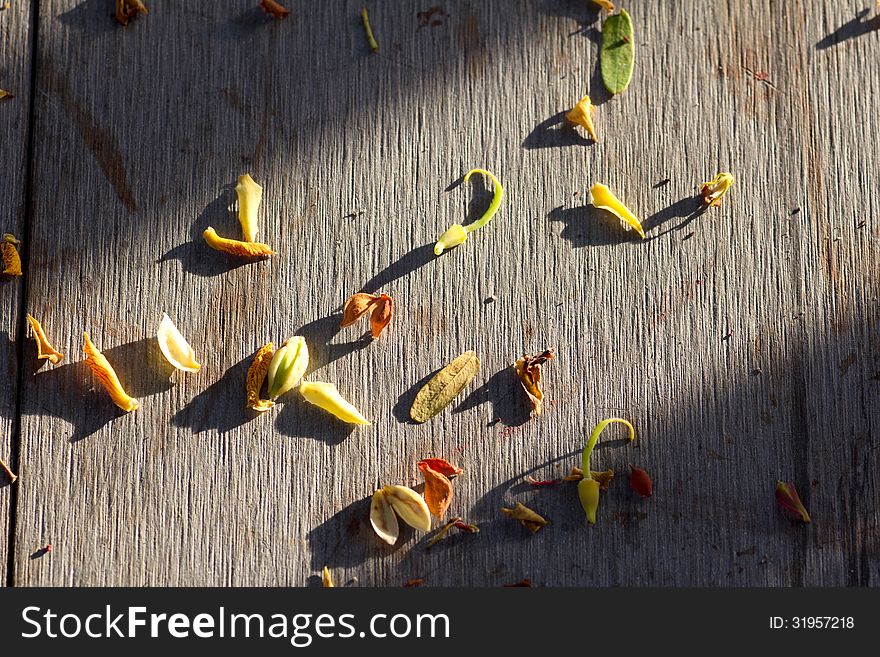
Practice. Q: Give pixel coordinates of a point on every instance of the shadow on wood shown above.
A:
(401, 267)
(688, 209)
(555, 132)
(588, 225)
(855, 28)
(505, 394)
(298, 418)
(318, 335)
(221, 406)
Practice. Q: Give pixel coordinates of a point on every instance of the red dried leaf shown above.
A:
(442, 466)
(640, 481)
(521, 584)
(383, 310)
(787, 497)
(438, 490)
(541, 484)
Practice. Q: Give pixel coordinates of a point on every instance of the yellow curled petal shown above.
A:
(255, 377)
(582, 115)
(236, 247)
(174, 346)
(604, 198)
(11, 259)
(714, 190)
(327, 578)
(588, 492)
(326, 396)
(454, 235)
(249, 196)
(107, 376)
(409, 506)
(44, 348)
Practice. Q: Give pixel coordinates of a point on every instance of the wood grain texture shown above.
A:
(742, 342)
(15, 77)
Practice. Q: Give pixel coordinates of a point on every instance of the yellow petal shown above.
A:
(607, 5)
(249, 196)
(382, 518)
(11, 259)
(174, 346)
(410, 506)
(582, 115)
(107, 376)
(288, 366)
(603, 198)
(236, 247)
(255, 377)
(327, 578)
(454, 235)
(44, 348)
(714, 190)
(326, 396)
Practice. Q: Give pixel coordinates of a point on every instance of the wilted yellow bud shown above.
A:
(604, 198)
(288, 366)
(582, 115)
(454, 235)
(714, 190)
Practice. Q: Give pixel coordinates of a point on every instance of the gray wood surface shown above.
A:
(742, 342)
(15, 77)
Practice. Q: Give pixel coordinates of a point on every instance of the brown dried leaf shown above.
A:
(444, 386)
(381, 315)
(528, 369)
(107, 376)
(528, 518)
(255, 377)
(442, 466)
(44, 348)
(438, 490)
(11, 259)
(356, 306)
(274, 8)
(126, 10)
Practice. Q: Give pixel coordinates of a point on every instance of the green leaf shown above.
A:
(617, 52)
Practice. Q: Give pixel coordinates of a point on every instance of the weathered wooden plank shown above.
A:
(15, 77)
(712, 336)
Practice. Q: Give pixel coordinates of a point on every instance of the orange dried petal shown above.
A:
(236, 247)
(438, 490)
(44, 348)
(356, 306)
(255, 377)
(274, 8)
(442, 466)
(11, 259)
(107, 376)
(381, 315)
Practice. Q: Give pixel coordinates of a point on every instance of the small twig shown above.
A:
(365, 19)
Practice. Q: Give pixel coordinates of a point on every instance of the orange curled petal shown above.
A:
(255, 377)
(11, 259)
(274, 8)
(356, 306)
(381, 315)
(44, 348)
(438, 490)
(442, 466)
(236, 247)
(107, 376)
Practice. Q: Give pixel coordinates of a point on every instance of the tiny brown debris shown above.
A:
(524, 583)
(128, 9)
(274, 8)
(410, 583)
(527, 518)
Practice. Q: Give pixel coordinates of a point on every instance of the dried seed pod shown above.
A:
(274, 8)
(528, 369)
(582, 115)
(11, 259)
(382, 518)
(326, 396)
(383, 310)
(255, 377)
(107, 376)
(714, 190)
(640, 481)
(442, 466)
(288, 366)
(438, 490)
(528, 518)
(250, 194)
(326, 578)
(604, 198)
(356, 306)
(409, 506)
(174, 346)
(787, 497)
(44, 348)
(444, 386)
(236, 247)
